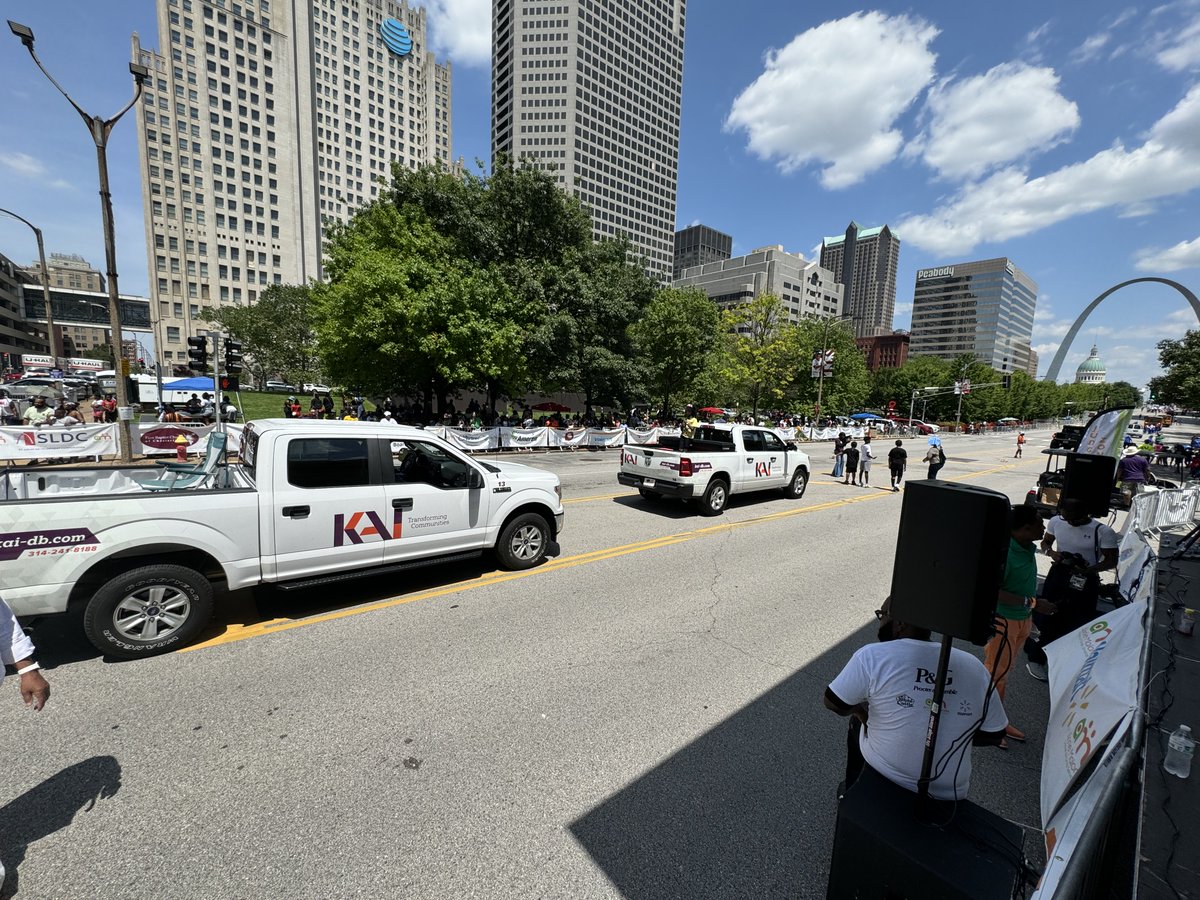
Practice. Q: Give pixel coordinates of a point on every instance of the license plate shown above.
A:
(648, 482)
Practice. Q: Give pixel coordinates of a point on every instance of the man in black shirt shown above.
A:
(897, 463)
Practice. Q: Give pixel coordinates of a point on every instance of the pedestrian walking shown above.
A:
(935, 456)
(864, 465)
(897, 463)
(852, 454)
(1020, 444)
(839, 454)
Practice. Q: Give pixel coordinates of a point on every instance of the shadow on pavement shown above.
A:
(50, 807)
(671, 508)
(748, 808)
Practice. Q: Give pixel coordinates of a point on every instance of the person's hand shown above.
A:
(35, 690)
(1054, 555)
(859, 711)
(1046, 608)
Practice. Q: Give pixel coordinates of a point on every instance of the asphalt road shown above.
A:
(640, 717)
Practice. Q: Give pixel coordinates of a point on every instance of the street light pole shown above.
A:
(100, 129)
(829, 320)
(55, 342)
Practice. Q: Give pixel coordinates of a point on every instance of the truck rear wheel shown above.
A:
(523, 542)
(148, 610)
(797, 486)
(715, 498)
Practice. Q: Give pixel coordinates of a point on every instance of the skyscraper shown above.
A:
(263, 121)
(983, 308)
(69, 270)
(697, 245)
(589, 90)
(865, 262)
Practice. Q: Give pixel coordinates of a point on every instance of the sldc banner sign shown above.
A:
(57, 442)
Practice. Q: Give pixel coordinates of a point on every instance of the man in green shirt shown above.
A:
(1014, 607)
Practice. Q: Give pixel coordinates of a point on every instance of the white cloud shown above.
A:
(1184, 255)
(462, 30)
(1010, 204)
(980, 122)
(1181, 48)
(23, 164)
(1090, 48)
(856, 76)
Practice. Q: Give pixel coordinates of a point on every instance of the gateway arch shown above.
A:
(1061, 355)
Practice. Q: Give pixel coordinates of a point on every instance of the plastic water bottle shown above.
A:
(1180, 748)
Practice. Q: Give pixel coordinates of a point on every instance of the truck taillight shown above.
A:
(685, 468)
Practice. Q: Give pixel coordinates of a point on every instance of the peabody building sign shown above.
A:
(943, 272)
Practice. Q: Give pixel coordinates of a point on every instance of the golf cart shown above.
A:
(1046, 494)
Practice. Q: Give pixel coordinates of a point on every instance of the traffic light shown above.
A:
(1007, 381)
(233, 356)
(229, 383)
(198, 352)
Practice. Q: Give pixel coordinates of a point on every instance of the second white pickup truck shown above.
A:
(718, 460)
(310, 502)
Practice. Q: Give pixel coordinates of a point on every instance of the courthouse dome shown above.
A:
(1091, 370)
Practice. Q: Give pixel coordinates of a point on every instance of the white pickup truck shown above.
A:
(309, 502)
(716, 461)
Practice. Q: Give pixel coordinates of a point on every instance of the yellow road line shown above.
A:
(236, 633)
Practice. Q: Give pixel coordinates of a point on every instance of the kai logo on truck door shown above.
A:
(762, 470)
(352, 528)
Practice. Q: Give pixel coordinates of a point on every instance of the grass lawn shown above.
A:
(255, 405)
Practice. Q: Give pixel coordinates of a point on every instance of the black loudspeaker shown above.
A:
(882, 849)
(1090, 479)
(950, 557)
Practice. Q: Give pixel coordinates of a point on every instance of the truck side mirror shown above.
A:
(476, 480)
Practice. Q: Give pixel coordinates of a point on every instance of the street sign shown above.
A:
(891, 404)
(966, 386)
(124, 366)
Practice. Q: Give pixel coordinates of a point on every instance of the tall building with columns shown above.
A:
(590, 91)
(263, 122)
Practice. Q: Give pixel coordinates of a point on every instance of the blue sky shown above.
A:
(1066, 137)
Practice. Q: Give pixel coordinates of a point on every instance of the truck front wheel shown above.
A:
(797, 486)
(523, 542)
(715, 498)
(148, 610)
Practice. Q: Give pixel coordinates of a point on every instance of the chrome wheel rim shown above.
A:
(799, 483)
(717, 498)
(526, 543)
(151, 613)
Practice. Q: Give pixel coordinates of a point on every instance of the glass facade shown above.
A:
(982, 308)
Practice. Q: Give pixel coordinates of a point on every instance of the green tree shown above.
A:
(675, 339)
(1180, 382)
(276, 333)
(762, 364)
(845, 391)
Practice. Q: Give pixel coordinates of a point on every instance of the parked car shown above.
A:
(918, 426)
(315, 388)
(310, 502)
(279, 387)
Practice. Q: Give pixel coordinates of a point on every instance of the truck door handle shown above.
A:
(296, 512)
(402, 503)
(772, 459)
(749, 459)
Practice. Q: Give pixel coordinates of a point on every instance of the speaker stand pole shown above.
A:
(935, 712)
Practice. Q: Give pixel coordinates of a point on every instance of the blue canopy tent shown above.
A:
(862, 417)
(190, 384)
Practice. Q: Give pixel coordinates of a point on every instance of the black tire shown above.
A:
(120, 616)
(649, 495)
(715, 498)
(797, 486)
(523, 542)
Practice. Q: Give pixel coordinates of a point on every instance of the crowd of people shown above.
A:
(39, 413)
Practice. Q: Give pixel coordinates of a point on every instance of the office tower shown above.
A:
(69, 270)
(805, 288)
(262, 122)
(983, 308)
(697, 245)
(589, 90)
(865, 261)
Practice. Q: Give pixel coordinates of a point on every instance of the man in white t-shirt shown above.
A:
(888, 686)
(1074, 531)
